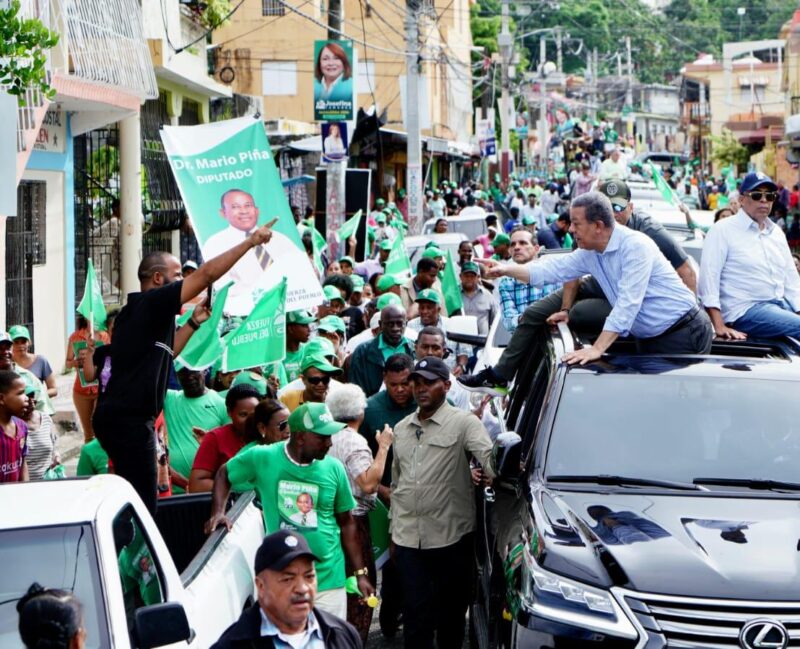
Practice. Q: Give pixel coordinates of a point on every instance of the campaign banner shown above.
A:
(230, 186)
(334, 69)
(334, 141)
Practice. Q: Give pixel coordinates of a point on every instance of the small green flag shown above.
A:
(451, 287)
(379, 533)
(349, 227)
(205, 346)
(730, 179)
(398, 263)
(261, 338)
(568, 242)
(661, 185)
(91, 306)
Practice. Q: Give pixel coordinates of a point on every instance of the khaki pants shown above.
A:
(84, 405)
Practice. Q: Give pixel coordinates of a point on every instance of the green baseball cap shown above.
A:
(332, 323)
(385, 245)
(500, 239)
(387, 281)
(470, 267)
(380, 201)
(18, 331)
(251, 378)
(358, 283)
(299, 317)
(388, 299)
(428, 295)
(381, 218)
(432, 253)
(431, 244)
(347, 259)
(314, 418)
(332, 293)
(318, 362)
(528, 220)
(320, 346)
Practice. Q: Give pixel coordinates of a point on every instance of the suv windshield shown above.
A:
(56, 557)
(676, 428)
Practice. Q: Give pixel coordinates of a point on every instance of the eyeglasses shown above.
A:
(282, 425)
(316, 380)
(757, 196)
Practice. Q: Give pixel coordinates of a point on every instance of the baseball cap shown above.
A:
(332, 293)
(5, 338)
(251, 378)
(318, 362)
(358, 283)
(387, 300)
(189, 264)
(428, 295)
(528, 220)
(470, 267)
(347, 259)
(299, 317)
(18, 331)
(431, 368)
(387, 281)
(617, 192)
(385, 245)
(314, 418)
(756, 179)
(279, 549)
(432, 253)
(332, 323)
(320, 346)
(500, 239)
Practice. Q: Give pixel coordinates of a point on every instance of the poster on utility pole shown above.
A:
(230, 186)
(334, 67)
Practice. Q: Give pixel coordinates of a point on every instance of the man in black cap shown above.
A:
(284, 615)
(433, 509)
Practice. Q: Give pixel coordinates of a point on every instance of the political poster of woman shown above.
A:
(334, 67)
(230, 185)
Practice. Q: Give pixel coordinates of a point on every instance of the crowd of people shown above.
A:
(371, 409)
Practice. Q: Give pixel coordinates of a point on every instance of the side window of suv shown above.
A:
(140, 575)
(522, 393)
(529, 418)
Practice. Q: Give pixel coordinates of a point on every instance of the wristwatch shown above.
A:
(361, 571)
(193, 324)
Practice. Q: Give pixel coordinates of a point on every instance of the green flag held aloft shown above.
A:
(451, 287)
(398, 263)
(349, 227)
(91, 306)
(661, 185)
(205, 347)
(261, 338)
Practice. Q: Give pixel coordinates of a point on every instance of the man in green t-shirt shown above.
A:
(298, 331)
(93, 459)
(184, 410)
(303, 489)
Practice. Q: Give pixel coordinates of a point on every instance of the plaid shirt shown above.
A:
(516, 296)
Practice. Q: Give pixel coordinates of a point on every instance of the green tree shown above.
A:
(727, 150)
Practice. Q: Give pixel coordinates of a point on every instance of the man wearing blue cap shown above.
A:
(748, 281)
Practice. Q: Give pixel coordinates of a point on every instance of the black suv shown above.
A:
(646, 502)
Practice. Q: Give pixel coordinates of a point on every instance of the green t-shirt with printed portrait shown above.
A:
(291, 363)
(303, 498)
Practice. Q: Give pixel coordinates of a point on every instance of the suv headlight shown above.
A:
(565, 600)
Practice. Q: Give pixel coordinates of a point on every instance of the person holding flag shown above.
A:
(141, 352)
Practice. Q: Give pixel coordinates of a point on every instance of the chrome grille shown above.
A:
(693, 623)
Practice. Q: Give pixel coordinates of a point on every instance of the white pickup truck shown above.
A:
(143, 583)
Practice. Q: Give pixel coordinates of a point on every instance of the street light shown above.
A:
(741, 11)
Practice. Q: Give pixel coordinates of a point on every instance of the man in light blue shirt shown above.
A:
(649, 301)
(748, 281)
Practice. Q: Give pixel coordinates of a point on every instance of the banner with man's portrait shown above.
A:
(334, 81)
(230, 186)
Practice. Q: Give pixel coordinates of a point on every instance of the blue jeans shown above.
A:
(769, 320)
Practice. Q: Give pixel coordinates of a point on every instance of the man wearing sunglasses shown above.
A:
(748, 281)
(316, 373)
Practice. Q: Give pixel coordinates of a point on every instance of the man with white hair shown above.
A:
(364, 473)
(614, 166)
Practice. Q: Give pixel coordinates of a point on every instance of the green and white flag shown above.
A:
(398, 263)
(261, 338)
(379, 533)
(730, 179)
(230, 185)
(205, 347)
(451, 287)
(349, 227)
(662, 186)
(91, 306)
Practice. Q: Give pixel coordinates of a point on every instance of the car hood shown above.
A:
(701, 546)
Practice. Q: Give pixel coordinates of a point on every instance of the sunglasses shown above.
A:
(316, 380)
(769, 196)
(282, 426)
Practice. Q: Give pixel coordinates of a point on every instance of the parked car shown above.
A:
(645, 501)
(447, 241)
(471, 226)
(143, 582)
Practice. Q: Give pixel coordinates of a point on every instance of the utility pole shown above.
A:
(335, 200)
(543, 129)
(504, 44)
(414, 139)
(559, 57)
(590, 83)
(334, 19)
(629, 90)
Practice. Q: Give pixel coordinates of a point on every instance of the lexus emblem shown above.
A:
(763, 634)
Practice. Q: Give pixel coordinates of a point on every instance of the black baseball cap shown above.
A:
(431, 368)
(279, 549)
(617, 192)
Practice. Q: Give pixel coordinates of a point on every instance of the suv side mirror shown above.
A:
(160, 624)
(507, 456)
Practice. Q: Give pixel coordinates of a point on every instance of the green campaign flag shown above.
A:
(568, 242)
(318, 245)
(451, 287)
(723, 201)
(261, 338)
(349, 227)
(379, 533)
(91, 306)
(730, 179)
(661, 185)
(205, 346)
(398, 263)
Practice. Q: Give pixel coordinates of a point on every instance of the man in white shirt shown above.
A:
(614, 167)
(534, 211)
(472, 209)
(748, 281)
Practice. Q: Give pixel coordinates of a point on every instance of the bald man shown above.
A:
(144, 345)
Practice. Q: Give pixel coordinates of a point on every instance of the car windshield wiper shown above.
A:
(621, 481)
(750, 483)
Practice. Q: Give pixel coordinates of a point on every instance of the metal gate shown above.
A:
(97, 222)
(25, 247)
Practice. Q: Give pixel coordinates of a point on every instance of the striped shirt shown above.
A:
(13, 451)
(41, 445)
(516, 296)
